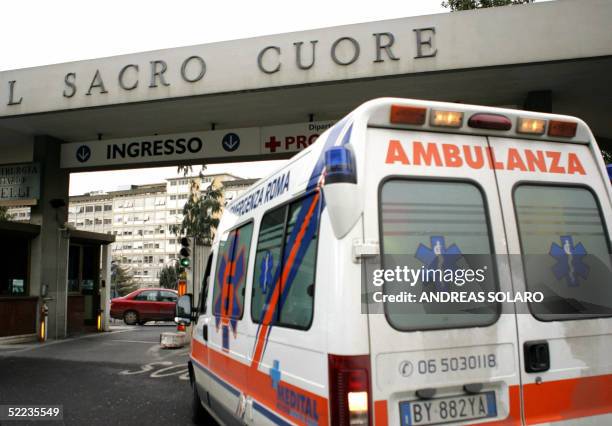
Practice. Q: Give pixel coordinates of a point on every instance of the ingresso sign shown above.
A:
(19, 184)
(231, 145)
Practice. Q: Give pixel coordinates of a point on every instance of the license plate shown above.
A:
(448, 409)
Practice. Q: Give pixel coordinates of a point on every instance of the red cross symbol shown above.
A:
(272, 144)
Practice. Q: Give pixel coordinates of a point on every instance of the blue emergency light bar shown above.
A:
(339, 165)
(609, 167)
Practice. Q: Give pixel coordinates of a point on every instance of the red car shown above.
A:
(145, 304)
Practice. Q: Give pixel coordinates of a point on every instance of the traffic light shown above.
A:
(185, 253)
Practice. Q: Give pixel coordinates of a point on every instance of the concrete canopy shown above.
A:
(491, 57)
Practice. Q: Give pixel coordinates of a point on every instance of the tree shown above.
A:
(455, 5)
(123, 280)
(201, 213)
(607, 156)
(168, 276)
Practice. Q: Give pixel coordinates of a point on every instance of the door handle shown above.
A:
(205, 329)
(537, 356)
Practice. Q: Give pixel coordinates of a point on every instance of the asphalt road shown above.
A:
(122, 378)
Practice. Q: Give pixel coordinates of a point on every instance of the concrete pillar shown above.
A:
(105, 286)
(49, 253)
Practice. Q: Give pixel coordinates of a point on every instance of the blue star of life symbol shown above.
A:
(265, 273)
(275, 374)
(570, 264)
(439, 257)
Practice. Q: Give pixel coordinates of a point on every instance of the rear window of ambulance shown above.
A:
(436, 224)
(565, 250)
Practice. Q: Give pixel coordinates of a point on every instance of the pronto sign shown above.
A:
(19, 184)
(231, 145)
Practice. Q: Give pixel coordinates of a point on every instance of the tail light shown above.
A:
(490, 122)
(564, 129)
(349, 387)
(180, 327)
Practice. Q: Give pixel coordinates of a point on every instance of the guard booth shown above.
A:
(86, 285)
(86, 291)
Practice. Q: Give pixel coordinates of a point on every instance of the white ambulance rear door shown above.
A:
(558, 220)
(430, 207)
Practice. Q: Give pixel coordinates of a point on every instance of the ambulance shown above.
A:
(284, 331)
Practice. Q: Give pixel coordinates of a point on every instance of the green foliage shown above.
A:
(168, 277)
(123, 280)
(201, 214)
(607, 156)
(4, 216)
(455, 5)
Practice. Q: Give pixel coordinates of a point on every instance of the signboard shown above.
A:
(292, 137)
(229, 145)
(173, 148)
(19, 184)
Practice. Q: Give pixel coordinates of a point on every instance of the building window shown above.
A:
(98, 208)
(173, 197)
(108, 221)
(108, 208)
(88, 209)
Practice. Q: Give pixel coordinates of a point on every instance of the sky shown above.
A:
(45, 32)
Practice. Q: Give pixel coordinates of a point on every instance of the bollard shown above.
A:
(44, 313)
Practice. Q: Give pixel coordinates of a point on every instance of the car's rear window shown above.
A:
(566, 251)
(436, 224)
